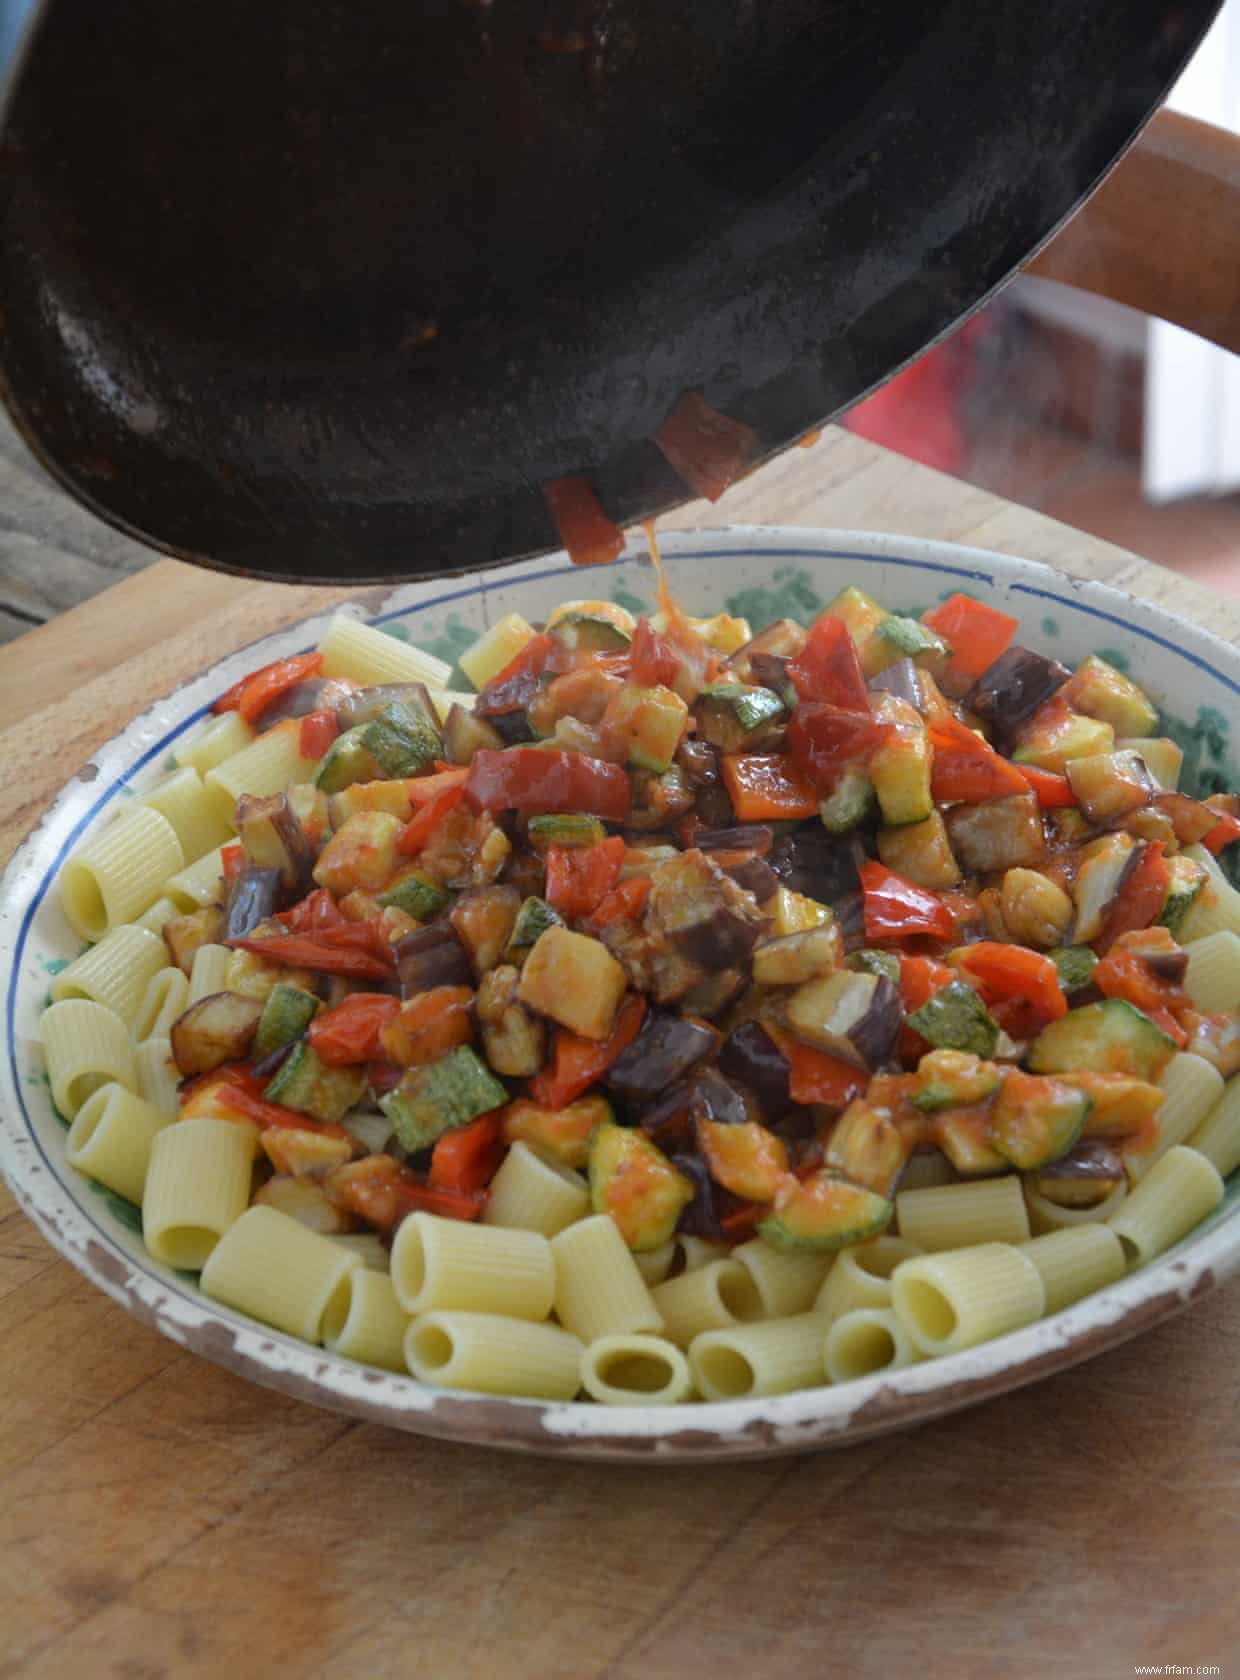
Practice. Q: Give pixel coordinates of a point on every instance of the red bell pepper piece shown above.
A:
(1007, 973)
(427, 1026)
(467, 1158)
(978, 634)
(512, 689)
(896, 909)
(768, 787)
(825, 739)
(253, 694)
(920, 978)
(828, 667)
(590, 537)
(382, 1192)
(1225, 830)
(1124, 974)
(533, 780)
(968, 769)
(653, 659)
(354, 948)
(577, 1062)
(707, 449)
(349, 1033)
(232, 861)
(624, 903)
(816, 1077)
(316, 911)
(580, 877)
(265, 1114)
(428, 818)
(1141, 898)
(318, 731)
(1053, 791)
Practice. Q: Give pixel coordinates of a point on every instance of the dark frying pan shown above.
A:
(329, 291)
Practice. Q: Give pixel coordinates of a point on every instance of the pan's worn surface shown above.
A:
(331, 292)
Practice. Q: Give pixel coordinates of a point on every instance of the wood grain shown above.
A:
(159, 1518)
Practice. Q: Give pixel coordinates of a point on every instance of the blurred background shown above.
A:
(1086, 411)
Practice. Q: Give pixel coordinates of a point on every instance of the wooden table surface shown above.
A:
(159, 1517)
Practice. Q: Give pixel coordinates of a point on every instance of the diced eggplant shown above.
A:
(1105, 866)
(217, 1029)
(821, 866)
(513, 1038)
(715, 1100)
(784, 639)
(920, 852)
(902, 679)
(850, 919)
(771, 670)
(484, 919)
(703, 1216)
(365, 705)
(658, 799)
(798, 957)
(514, 729)
(737, 718)
(315, 694)
(698, 762)
(714, 993)
(751, 1057)
(1012, 689)
(1108, 786)
(251, 899)
(704, 915)
(1002, 834)
(747, 837)
(303, 1200)
(901, 768)
(1158, 950)
(751, 873)
(464, 734)
(853, 1016)
(663, 1052)
(432, 956)
(669, 1121)
(184, 934)
(1083, 1178)
(1191, 818)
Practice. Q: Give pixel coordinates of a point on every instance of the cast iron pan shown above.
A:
(329, 291)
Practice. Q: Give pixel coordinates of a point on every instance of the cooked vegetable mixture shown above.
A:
(685, 967)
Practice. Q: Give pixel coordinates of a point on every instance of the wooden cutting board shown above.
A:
(160, 1518)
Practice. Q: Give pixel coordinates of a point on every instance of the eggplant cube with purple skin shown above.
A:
(853, 1016)
(701, 911)
(1001, 834)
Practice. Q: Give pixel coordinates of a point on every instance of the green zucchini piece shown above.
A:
(910, 638)
(825, 1213)
(417, 895)
(900, 768)
(730, 715)
(1107, 1037)
(1188, 877)
(633, 1181)
(1100, 691)
(346, 761)
(404, 739)
(652, 720)
(955, 1018)
(305, 1083)
(954, 1079)
(1056, 734)
(566, 828)
(533, 919)
(287, 1013)
(1074, 965)
(441, 1096)
(849, 803)
(1036, 1120)
(863, 616)
(587, 632)
(875, 962)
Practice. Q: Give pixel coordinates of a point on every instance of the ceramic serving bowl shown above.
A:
(762, 574)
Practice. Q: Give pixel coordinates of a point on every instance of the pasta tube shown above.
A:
(1176, 1194)
(197, 1186)
(954, 1300)
(158, 1074)
(1049, 1216)
(194, 815)
(198, 884)
(153, 920)
(713, 1297)
(365, 1321)
(220, 738)
(1191, 1088)
(655, 1263)
(692, 1252)
(1216, 908)
(110, 1139)
(861, 1276)
(450, 1265)
(166, 997)
(115, 972)
(369, 1250)
(270, 763)
(85, 1046)
(983, 1210)
(279, 1271)
(368, 654)
(209, 971)
(495, 648)
(866, 1340)
(530, 1193)
(1073, 1263)
(1213, 978)
(120, 873)
(749, 1360)
(598, 1288)
(1218, 1136)
(786, 1283)
(494, 1355)
(635, 1371)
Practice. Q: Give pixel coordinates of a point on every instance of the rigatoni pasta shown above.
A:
(444, 1264)
(271, 762)
(198, 884)
(1191, 1088)
(209, 971)
(864, 1341)
(494, 1355)
(986, 1210)
(1176, 1194)
(713, 1297)
(951, 1301)
(1218, 1135)
(120, 873)
(115, 972)
(532, 1193)
(276, 1270)
(194, 815)
(861, 1276)
(635, 1371)
(197, 1188)
(1074, 1263)
(367, 654)
(158, 1077)
(110, 1139)
(85, 1046)
(786, 1283)
(166, 996)
(598, 1289)
(1213, 978)
(775, 1356)
(219, 738)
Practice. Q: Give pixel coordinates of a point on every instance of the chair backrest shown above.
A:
(1162, 232)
